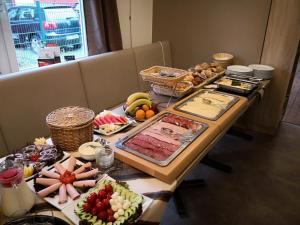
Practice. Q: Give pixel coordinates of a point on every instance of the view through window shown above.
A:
(45, 23)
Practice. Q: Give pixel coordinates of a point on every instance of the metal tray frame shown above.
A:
(236, 88)
(235, 100)
(120, 143)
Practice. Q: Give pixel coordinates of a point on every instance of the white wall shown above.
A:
(138, 30)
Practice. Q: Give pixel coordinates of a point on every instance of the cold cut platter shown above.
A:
(164, 138)
(210, 105)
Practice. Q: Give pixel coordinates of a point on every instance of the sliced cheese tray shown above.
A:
(207, 104)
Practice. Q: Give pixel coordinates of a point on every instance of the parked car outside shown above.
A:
(45, 26)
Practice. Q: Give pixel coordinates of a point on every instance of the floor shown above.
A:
(292, 114)
(263, 189)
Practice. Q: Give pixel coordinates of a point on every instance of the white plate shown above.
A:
(130, 121)
(54, 201)
(70, 214)
(240, 69)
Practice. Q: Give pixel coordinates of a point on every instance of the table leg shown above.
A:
(179, 205)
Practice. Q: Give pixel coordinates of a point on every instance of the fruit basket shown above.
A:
(70, 127)
(166, 76)
(181, 89)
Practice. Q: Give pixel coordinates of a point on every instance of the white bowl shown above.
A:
(86, 152)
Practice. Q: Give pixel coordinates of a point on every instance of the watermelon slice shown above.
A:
(105, 119)
(124, 119)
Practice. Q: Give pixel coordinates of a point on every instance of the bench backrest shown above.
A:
(98, 82)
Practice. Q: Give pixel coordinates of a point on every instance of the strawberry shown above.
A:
(94, 211)
(108, 188)
(106, 202)
(111, 218)
(110, 212)
(86, 207)
(102, 194)
(102, 215)
(100, 206)
(91, 199)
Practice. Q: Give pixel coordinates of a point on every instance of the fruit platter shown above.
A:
(139, 106)
(36, 156)
(109, 203)
(161, 140)
(108, 123)
(208, 104)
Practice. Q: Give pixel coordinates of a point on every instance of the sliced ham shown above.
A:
(50, 174)
(83, 168)
(84, 183)
(59, 168)
(62, 197)
(43, 193)
(161, 137)
(72, 163)
(86, 174)
(174, 128)
(72, 191)
(46, 181)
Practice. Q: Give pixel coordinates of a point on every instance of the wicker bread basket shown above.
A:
(152, 75)
(70, 127)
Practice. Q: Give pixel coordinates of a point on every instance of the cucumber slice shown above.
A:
(121, 219)
(99, 222)
(93, 219)
(117, 222)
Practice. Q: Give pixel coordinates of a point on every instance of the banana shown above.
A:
(137, 95)
(132, 107)
(28, 171)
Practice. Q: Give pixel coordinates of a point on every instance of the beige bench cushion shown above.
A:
(28, 97)
(109, 78)
(156, 54)
(3, 149)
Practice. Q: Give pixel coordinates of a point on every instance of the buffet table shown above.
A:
(141, 182)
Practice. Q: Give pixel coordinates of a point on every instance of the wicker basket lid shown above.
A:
(72, 116)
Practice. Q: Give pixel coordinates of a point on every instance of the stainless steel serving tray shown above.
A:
(120, 143)
(236, 89)
(234, 100)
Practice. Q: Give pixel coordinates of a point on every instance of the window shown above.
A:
(37, 24)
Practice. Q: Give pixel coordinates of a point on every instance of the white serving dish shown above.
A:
(69, 209)
(54, 200)
(240, 70)
(88, 154)
(262, 71)
(123, 126)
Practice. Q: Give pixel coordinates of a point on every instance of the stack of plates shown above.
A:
(239, 70)
(262, 71)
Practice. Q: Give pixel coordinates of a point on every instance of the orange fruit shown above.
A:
(140, 114)
(145, 108)
(149, 113)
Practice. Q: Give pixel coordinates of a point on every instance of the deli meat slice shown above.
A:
(174, 128)
(50, 174)
(62, 195)
(86, 174)
(72, 163)
(84, 183)
(59, 168)
(180, 121)
(46, 181)
(161, 137)
(72, 191)
(151, 147)
(83, 167)
(147, 152)
(48, 190)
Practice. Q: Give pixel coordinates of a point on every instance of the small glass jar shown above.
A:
(104, 156)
